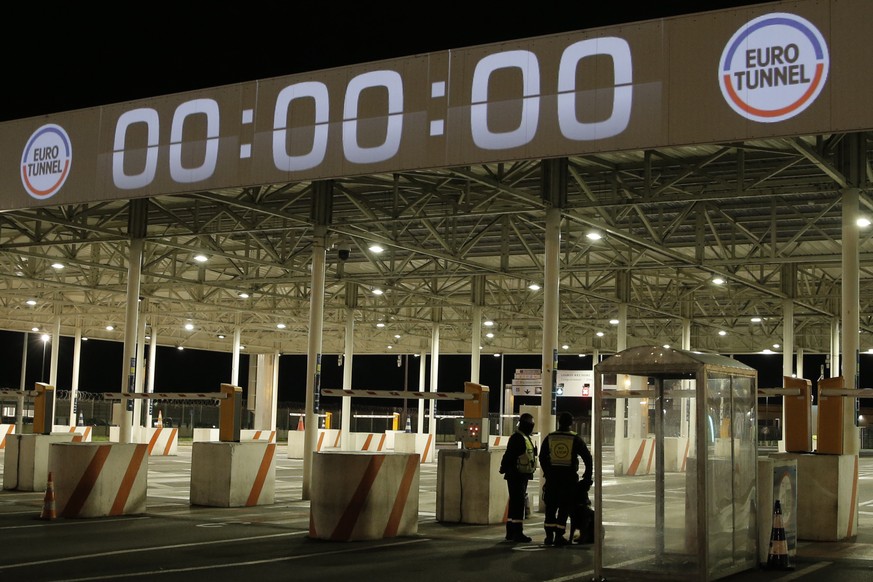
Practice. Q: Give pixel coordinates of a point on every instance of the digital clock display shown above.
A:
(560, 95)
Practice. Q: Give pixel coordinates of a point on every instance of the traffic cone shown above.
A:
(48, 504)
(160, 422)
(408, 425)
(300, 422)
(778, 556)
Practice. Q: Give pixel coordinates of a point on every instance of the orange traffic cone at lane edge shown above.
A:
(300, 422)
(48, 504)
(777, 559)
(160, 421)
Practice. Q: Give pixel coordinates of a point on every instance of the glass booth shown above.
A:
(679, 501)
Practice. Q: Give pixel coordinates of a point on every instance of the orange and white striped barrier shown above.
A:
(228, 474)
(421, 444)
(163, 442)
(5, 430)
(676, 454)
(257, 435)
(641, 456)
(329, 439)
(369, 441)
(26, 462)
(497, 441)
(99, 479)
(81, 434)
(377, 497)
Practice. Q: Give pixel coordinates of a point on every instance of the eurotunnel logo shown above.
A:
(46, 161)
(774, 67)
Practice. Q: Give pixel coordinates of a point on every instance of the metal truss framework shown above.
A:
(763, 215)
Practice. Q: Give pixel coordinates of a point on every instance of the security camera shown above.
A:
(343, 252)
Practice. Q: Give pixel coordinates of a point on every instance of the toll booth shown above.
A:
(690, 419)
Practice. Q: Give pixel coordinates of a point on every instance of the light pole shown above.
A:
(45, 340)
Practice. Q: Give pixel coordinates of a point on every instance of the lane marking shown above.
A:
(65, 523)
(803, 572)
(146, 549)
(240, 564)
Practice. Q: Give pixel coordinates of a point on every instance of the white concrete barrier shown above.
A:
(5, 430)
(497, 441)
(639, 456)
(421, 444)
(233, 474)
(163, 442)
(205, 435)
(376, 498)
(827, 496)
(26, 461)
(369, 441)
(470, 488)
(676, 454)
(82, 433)
(257, 435)
(99, 479)
(328, 440)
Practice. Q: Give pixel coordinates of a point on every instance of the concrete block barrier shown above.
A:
(421, 444)
(82, 434)
(226, 474)
(99, 479)
(26, 461)
(205, 435)
(497, 441)
(5, 430)
(328, 440)
(163, 442)
(257, 435)
(369, 441)
(377, 497)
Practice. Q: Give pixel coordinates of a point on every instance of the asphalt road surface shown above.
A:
(173, 540)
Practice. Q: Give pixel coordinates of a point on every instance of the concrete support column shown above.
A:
(234, 365)
(476, 344)
(150, 374)
(478, 300)
(686, 334)
(434, 375)
(53, 366)
(19, 412)
(850, 317)
(421, 378)
(313, 355)
(787, 337)
(346, 438)
(134, 271)
(74, 388)
(835, 368)
(551, 306)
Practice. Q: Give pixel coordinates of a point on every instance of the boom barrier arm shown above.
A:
(230, 404)
(398, 394)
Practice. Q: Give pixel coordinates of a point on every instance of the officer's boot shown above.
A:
(510, 531)
(550, 536)
(560, 540)
(519, 533)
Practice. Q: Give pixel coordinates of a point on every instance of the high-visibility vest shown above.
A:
(561, 449)
(527, 461)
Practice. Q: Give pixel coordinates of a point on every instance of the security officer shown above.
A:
(517, 466)
(559, 459)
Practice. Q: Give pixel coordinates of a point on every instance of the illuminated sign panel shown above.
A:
(774, 67)
(648, 85)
